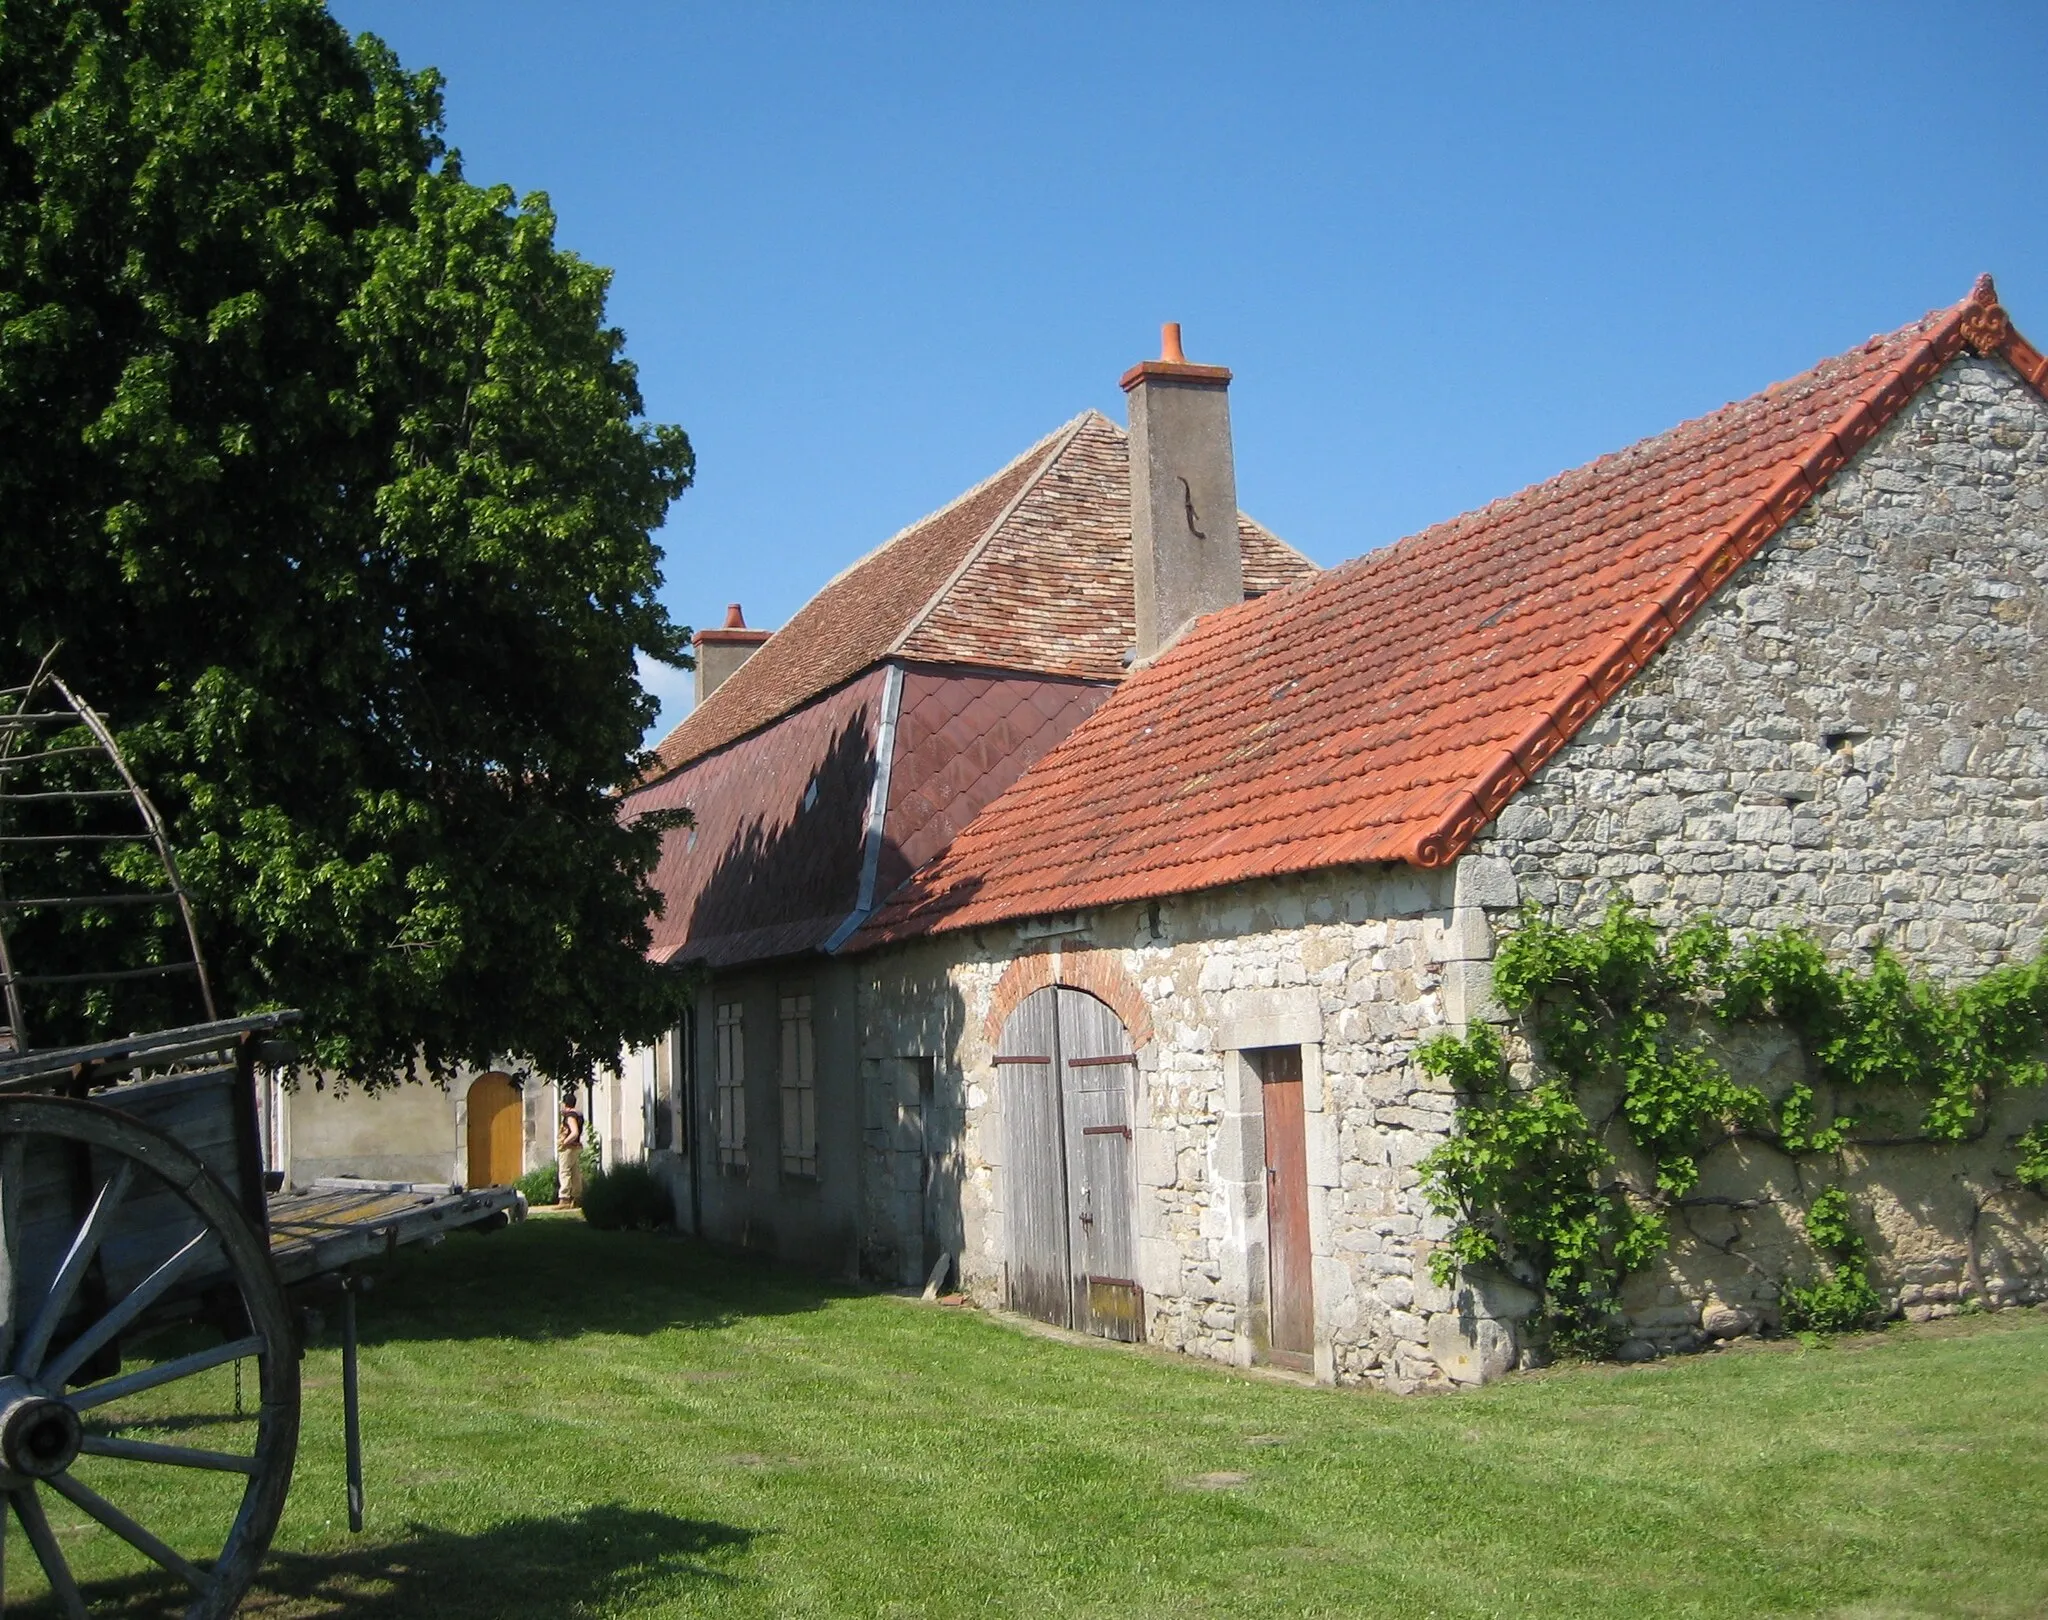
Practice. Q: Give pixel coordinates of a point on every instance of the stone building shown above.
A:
(487, 1127)
(1132, 1045)
(825, 763)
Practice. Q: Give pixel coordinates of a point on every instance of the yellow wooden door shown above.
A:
(494, 1146)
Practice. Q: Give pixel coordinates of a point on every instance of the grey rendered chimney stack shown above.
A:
(720, 652)
(1184, 546)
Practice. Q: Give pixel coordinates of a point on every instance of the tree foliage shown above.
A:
(325, 469)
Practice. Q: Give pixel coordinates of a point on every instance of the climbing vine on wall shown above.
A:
(1620, 1017)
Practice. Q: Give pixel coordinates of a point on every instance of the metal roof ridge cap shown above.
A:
(1064, 436)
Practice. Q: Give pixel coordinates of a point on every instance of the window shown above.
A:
(799, 1087)
(665, 1100)
(730, 1075)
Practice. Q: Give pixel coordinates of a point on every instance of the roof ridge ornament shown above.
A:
(1987, 329)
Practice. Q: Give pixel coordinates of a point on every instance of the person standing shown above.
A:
(569, 1156)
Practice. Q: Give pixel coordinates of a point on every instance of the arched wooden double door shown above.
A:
(1067, 1074)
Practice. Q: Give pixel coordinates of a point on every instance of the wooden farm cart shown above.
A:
(149, 1337)
(143, 1271)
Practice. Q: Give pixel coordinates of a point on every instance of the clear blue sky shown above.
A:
(866, 254)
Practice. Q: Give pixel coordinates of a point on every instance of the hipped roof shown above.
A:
(1029, 570)
(1387, 710)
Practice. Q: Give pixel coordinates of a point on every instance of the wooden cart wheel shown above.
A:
(162, 1248)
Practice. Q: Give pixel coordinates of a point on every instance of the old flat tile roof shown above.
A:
(1030, 570)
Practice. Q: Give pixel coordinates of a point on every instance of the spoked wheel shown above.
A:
(117, 1246)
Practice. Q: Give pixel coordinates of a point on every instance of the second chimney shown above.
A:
(1185, 554)
(720, 652)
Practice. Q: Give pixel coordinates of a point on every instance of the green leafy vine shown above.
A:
(1844, 1298)
(1617, 1017)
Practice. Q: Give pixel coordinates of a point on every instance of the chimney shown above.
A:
(1184, 547)
(720, 652)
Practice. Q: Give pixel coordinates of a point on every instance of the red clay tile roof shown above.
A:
(1030, 570)
(1385, 711)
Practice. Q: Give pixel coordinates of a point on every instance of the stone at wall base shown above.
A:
(1720, 1320)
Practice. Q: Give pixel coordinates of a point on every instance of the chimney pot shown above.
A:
(1169, 344)
(734, 618)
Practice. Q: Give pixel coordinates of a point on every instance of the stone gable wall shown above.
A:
(1853, 735)
(1852, 738)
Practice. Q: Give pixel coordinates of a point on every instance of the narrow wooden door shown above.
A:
(1097, 1072)
(1034, 1163)
(1290, 1299)
(494, 1145)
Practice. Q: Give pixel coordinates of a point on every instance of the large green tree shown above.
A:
(326, 470)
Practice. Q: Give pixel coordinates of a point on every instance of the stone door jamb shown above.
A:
(1251, 1020)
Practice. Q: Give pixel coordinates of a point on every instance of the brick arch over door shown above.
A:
(1097, 972)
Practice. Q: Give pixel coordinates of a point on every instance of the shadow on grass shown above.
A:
(592, 1561)
(554, 1278)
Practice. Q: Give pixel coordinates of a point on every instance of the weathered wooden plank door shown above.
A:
(1097, 1072)
(1290, 1297)
(1034, 1165)
(494, 1130)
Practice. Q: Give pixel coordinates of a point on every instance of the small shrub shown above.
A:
(1839, 1303)
(1842, 1301)
(540, 1185)
(627, 1196)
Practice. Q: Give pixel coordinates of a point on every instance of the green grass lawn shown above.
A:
(567, 1422)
